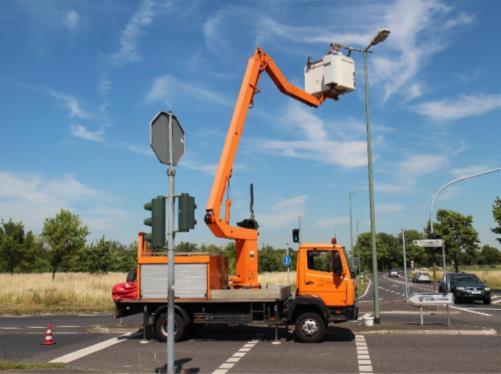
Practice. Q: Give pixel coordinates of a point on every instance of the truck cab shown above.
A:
(326, 289)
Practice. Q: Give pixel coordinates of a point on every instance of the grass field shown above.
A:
(69, 292)
(82, 292)
(74, 292)
(489, 275)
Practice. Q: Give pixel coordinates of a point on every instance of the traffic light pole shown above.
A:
(171, 172)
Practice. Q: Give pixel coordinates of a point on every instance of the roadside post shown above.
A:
(405, 267)
(433, 243)
(430, 299)
(167, 141)
(287, 263)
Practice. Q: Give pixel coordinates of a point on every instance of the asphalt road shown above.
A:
(394, 309)
(349, 347)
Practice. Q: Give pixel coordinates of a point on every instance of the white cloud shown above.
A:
(389, 208)
(468, 170)
(418, 165)
(144, 15)
(461, 107)
(315, 143)
(419, 30)
(145, 151)
(283, 213)
(72, 104)
(406, 172)
(194, 165)
(79, 131)
(71, 20)
(332, 222)
(166, 88)
(31, 198)
(104, 85)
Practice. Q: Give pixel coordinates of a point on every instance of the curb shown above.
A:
(488, 332)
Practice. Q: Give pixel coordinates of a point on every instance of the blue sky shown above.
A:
(80, 81)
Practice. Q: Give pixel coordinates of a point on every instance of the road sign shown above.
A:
(160, 138)
(431, 298)
(429, 243)
(287, 260)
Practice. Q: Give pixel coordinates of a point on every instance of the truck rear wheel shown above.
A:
(309, 328)
(161, 327)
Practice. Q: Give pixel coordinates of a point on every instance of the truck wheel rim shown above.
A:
(310, 326)
(164, 329)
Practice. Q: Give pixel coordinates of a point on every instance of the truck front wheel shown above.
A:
(309, 328)
(161, 327)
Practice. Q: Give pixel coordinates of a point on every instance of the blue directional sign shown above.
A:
(287, 261)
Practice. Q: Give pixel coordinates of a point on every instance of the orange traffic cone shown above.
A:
(48, 336)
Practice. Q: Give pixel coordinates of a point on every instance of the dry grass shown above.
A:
(490, 276)
(278, 278)
(69, 292)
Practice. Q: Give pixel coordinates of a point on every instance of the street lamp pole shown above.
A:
(379, 38)
(441, 189)
(351, 227)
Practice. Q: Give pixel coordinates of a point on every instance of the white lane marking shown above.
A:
(10, 328)
(496, 302)
(69, 326)
(237, 356)
(363, 358)
(470, 311)
(70, 357)
(366, 290)
(487, 309)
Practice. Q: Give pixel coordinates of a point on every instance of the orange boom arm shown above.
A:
(245, 234)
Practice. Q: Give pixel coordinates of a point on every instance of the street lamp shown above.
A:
(378, 38)
(435, 197)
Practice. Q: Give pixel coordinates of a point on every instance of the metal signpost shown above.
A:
(287, 262)
(405, 268)
(167, 141)
(433, 243)
(422, 299)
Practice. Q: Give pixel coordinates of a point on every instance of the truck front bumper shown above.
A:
(343, 314)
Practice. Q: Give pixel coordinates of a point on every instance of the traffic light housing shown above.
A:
(186, 213)
(156, 221)
(295, 235)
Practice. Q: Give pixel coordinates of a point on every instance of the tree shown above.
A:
(65, 235)
(496, 212)
(460, 237)
(489, 256)
(20, 251)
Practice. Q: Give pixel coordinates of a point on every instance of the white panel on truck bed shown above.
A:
(190, 280)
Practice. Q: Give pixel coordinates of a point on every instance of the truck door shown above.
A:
(321, 281)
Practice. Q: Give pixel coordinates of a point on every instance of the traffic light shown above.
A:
(157, 222)
(295, 235)
(186, 213)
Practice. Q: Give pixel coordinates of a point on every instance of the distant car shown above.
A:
(421, 277)
(393, 274)
(466, 286)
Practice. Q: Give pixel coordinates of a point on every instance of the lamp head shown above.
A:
(380, 37)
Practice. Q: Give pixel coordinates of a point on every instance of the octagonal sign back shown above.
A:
(160, 138)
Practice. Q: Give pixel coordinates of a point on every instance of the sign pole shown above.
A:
(421, 314)
(405, 267)
(288, 267)
(443, 257)
(171, 172)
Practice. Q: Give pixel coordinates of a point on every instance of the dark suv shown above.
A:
(465, 286)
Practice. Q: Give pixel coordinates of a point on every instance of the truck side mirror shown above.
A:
(337, 266)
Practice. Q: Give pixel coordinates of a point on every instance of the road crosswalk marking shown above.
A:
(237, 356)
(363, 357)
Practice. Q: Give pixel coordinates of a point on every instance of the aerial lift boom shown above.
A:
(245, 233)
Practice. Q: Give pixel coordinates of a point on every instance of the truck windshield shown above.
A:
(350, 264)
